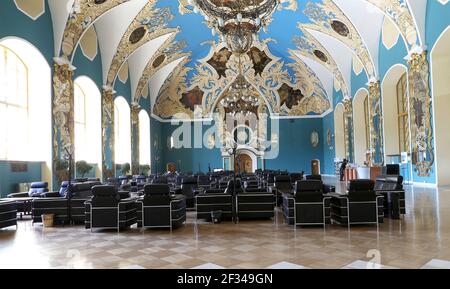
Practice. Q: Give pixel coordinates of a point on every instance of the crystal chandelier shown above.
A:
(237, 21)
(239, 98)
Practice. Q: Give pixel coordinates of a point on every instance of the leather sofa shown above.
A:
(8, 213)
(361, 205)
(391, 187)
(80, 193)
(108, 210)
(307, 205)
(159, 209)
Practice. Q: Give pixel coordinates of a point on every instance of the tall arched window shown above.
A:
(122, 131)
(144, 138)
(25, 103)
(14, 124)
(87, 118)
(402, 112)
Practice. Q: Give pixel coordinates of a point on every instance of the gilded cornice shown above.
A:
(326, 14)
(83, 14)
(154, 20)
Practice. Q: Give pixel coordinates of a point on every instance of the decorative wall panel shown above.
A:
(108, 142)
(420, 114)
(63, 120)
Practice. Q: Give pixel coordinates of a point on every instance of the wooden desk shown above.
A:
(350, 174)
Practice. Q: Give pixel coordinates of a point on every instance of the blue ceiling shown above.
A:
(195, 32)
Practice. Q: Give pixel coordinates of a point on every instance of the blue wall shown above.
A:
(9, 180)
(296, 151)
(189, 159)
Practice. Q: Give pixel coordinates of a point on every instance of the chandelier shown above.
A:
(240, 99)
(237, 21)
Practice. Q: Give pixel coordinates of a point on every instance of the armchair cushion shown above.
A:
(18, 195)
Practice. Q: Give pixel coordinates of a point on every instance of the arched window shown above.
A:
(122, 131)
(25, 103)
(87, 117)
(402, 112)
(144, 138)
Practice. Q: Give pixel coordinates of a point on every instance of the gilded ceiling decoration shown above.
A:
(264, 72)
(168, 52)
(81, 17)
(310, 47)
(328, 18)
(150, 23)
(400, 14)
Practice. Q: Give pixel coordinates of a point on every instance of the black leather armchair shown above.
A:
(59, 206)
(203, 181)
(296, 177)
(255, 204)
(391, 187)
(282, 186)
(361, 205)
(158, 209)
(189, 189)
(8, 214)
(326, 188)
(308, 205)
(213, 200)
(107, 209)
(36, 189)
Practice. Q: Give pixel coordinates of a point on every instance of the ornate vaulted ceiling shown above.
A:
(308, 49)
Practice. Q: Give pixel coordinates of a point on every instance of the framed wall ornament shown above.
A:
(329, 137)
(315, 139)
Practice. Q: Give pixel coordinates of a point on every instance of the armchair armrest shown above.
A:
(18, 195)
(50, 195)
(336, 195)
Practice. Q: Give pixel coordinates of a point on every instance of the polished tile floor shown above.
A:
(420, 240)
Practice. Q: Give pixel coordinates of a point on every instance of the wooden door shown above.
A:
(244, 164)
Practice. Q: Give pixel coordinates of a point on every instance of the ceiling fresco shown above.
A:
(306, 50)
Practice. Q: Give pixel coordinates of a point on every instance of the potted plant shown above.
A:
(125, 169)
(144, 169)
(61, 168)
(83, 168)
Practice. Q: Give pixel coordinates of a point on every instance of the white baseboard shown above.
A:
(424, 185)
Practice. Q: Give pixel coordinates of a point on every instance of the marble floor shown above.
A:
(420, 240)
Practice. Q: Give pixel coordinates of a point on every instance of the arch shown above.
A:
(339, 131)
(440, 70)
(144, 138)
(361, 125)
(87, 118)
(25, 119)
(393, 85)
(122, 131)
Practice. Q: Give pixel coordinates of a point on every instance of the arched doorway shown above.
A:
(244, 163)
(440, 71)
(339, 131)
(361, 125)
